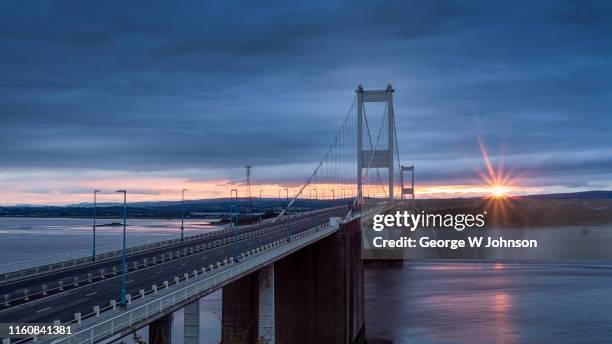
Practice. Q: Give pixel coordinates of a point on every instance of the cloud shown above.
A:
(184, 86)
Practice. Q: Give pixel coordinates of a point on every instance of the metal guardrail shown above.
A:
(117, 323)
(53, 263)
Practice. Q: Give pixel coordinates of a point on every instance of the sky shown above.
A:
(156, 96)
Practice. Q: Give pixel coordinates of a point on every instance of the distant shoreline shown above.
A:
(526, 211)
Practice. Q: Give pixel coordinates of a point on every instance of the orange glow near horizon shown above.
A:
(140, 189)
(73, 187)
(497, 184)
(150, 189)
(147, 188)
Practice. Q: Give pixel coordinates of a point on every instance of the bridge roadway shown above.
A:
(63, 304)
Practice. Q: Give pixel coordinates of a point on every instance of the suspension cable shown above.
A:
(325, 156)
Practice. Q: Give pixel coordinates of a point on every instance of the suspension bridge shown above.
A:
(295, 279)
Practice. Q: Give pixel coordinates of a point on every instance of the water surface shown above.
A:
(35, 238)
(427, 301)
(487, 302)
(29, 238)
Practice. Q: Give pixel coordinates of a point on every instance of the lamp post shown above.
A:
(183, 214)
(123, 263)
(237, 238)
(280, 203)
(286, 197)
(234, 217)
(93, 248)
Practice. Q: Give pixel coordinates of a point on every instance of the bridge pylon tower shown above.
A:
(375, 158)
(407, 190)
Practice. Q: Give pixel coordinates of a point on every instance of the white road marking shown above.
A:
(95, 292)
(130, 281)
(44, 309)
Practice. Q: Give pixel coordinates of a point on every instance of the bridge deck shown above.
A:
(62, 304)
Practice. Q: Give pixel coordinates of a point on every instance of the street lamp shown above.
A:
(236, 234)
(183, 214)
(93, 249)
(123, 263)
(236, 238)
(280, 203)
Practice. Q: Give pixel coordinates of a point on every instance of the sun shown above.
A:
(499, 191)
(498, 182)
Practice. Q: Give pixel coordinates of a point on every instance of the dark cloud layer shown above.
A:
(169, 85)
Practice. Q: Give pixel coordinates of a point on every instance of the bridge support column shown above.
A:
(239, 323)
(192, 323)
(159, 330)
(266, 304)
(319, 291)
(316, 294)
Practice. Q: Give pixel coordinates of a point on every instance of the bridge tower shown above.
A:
(375, 158)
(407, 190)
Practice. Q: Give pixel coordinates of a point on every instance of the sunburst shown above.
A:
(499, 182)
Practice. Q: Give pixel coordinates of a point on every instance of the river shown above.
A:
(486, 302)
(425, 301)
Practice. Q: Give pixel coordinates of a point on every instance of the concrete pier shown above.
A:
(318, 295)
(159, 330)
(192, 323)
(266, 305)
(319, 291)
(240, 310)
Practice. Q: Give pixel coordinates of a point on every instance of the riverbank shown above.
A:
(524, 211)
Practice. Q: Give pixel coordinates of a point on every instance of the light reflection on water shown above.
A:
(483, 302)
